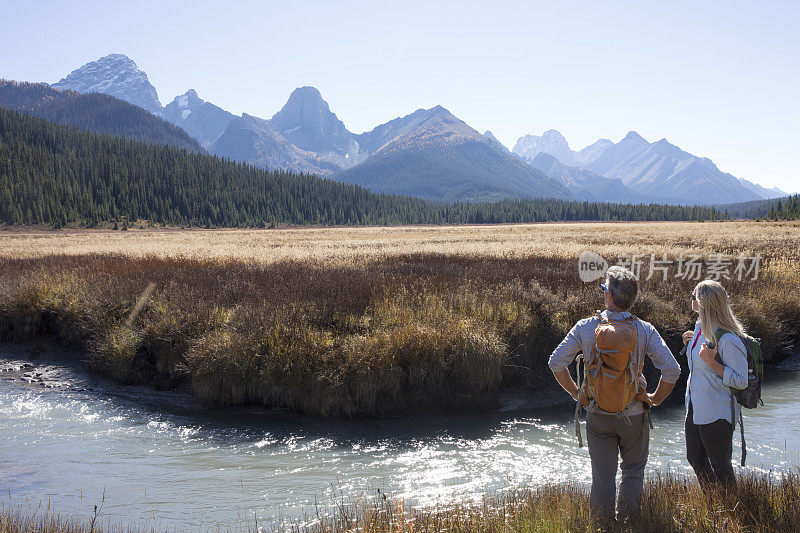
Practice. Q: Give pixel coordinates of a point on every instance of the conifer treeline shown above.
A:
(55, 175)
(785, 208)
(94, 112)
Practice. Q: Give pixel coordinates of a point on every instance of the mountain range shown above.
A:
(658, 170)
(60, 176)
(429, 153)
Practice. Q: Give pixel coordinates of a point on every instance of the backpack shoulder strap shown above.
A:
(589, 358)
(744, 444)
(718, 335)
(639, 356)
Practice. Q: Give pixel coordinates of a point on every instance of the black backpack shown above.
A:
(750, 396)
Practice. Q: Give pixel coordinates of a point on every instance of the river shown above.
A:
(157, 459)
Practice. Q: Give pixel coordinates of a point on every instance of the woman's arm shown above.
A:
(734, 357)
(733, 369)
(709, 356)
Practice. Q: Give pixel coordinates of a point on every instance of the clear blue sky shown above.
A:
(717, 78)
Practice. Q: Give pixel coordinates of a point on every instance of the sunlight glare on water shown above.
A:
(189, 467)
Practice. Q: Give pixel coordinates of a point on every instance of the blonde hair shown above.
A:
(715, 309)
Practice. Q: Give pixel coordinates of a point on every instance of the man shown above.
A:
(626, 433)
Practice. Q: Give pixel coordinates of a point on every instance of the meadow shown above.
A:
(372, 321)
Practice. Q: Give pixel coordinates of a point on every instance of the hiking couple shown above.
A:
(617, 403)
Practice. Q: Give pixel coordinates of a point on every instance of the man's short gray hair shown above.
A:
(623, 286)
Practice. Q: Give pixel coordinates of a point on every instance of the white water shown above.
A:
(162, 461)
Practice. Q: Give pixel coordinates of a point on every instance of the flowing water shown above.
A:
(156, 459)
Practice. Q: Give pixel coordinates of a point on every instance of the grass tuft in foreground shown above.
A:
(760, 503)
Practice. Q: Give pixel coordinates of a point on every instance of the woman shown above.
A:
(711, 411)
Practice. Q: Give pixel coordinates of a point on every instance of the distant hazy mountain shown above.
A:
(656, 172)
(592, 152)
(253, 140)
(551, 142)
(662, 169)
(587, 185)
(307, 122)
(97, 113)
(763, 192)
(436, 156)
(375, 139)
(116, 75)
(614, 154)
(202, 120)
(304, 136)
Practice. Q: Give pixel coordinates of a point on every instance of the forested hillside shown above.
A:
(94, 112)
(786, 208)
(56, 175)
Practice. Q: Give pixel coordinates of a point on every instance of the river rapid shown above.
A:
(158, 459)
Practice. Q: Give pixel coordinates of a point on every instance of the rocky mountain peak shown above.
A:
(592, 152)
(663, 146)
(305, 105)
(307, 122)
(554, 136)
(489, 135)
(116, 75)
(192, 97)
(187, 101)
(202, 120)
(633, 137)
(550, 142)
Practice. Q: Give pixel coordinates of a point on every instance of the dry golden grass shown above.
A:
(362, 321)
(758, 504)
(512, 240)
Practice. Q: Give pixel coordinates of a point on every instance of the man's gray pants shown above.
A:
(609, 437)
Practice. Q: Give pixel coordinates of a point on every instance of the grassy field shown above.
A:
(759, 504)
(354, 243)
(362, 321)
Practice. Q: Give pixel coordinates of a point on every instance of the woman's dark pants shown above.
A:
(709, 448)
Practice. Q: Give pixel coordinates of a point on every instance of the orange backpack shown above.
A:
(611, 371)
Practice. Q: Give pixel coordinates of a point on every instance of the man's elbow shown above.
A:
(671, 375)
